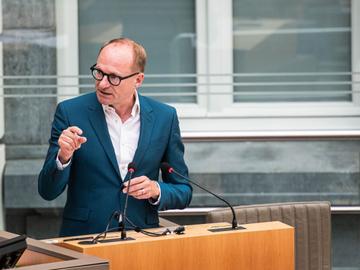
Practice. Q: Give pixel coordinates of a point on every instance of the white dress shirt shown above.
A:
(124, 135)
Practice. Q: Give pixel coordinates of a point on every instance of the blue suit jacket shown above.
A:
(93, 178)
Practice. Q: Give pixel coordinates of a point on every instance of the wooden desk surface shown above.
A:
(190, 231)
(268, 245)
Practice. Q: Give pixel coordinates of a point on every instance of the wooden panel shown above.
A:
(31, 258)
(43, 256)
(268, 245)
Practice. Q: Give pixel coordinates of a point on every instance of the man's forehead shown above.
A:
(118, 46)
(122, 51)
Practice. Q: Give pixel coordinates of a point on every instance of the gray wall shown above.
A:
(274, 171)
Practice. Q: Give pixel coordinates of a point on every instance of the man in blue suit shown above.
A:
(95, 136)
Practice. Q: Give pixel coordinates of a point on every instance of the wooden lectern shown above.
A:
(268, 245)
(42, 256)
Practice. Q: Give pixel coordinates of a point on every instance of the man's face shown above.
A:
(117, 59)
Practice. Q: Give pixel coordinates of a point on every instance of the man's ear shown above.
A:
(139, 80)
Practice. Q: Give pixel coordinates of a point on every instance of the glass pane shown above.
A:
(311, 40)
(164, 27)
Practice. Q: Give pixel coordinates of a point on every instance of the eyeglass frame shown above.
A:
(93, 68)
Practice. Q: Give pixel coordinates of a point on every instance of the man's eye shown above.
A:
(98, 73)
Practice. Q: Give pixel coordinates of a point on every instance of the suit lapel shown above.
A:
(146, 128)
(98, 122)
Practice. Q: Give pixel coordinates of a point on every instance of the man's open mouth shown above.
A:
(104, 93)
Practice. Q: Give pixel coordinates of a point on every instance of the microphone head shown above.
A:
(166, 167)
(131, 167)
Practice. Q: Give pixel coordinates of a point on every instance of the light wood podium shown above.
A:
(268, 245)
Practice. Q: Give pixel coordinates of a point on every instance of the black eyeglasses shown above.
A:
(113, 79)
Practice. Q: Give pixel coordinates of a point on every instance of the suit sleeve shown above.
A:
(52, 181)
(176, 193)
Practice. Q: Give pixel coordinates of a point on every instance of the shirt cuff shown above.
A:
(59, 165)
(152, 201)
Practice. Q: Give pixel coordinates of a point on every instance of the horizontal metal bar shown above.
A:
(281, 31)
(299, 94)
(253, 92)
(157, 85)
(304, 83)
(345, 209)
(187, 211)
(269, 135)
(33, 77)
(193, 75)
(203, 211)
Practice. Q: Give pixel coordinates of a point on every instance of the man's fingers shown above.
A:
(75, 129)
(68, 140)
(73, 136)
(136, 184)
(135, 181)
(82, 140)
(132, 189)
(142, 193)
(66, 146)
(72, 133)
(140, 187)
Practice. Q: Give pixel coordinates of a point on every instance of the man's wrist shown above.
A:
(62, 159)
(60, 164)
(157, 188)
(156, 200)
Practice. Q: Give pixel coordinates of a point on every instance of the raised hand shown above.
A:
(69, 141)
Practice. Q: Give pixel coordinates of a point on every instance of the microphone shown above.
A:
(121, 217)
(131, 170)
(234, 226)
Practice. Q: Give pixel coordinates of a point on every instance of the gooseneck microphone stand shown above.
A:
(131, 170)
(234, 225)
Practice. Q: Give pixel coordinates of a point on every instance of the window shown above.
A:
(166, 28)
(230, 67)
(295, 51)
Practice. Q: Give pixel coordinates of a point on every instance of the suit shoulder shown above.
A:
(157, 105)
(80, 101)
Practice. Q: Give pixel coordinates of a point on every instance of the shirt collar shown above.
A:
(134, 111)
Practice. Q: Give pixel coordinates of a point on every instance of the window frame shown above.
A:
(215, 113)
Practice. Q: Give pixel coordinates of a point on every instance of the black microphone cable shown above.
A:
(177, 230)
(102, 234)
(167, 168)
(148, 233)
(94, 240)
(114, 214)
(107, 229)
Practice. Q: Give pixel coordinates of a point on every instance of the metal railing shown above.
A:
(304, 84)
